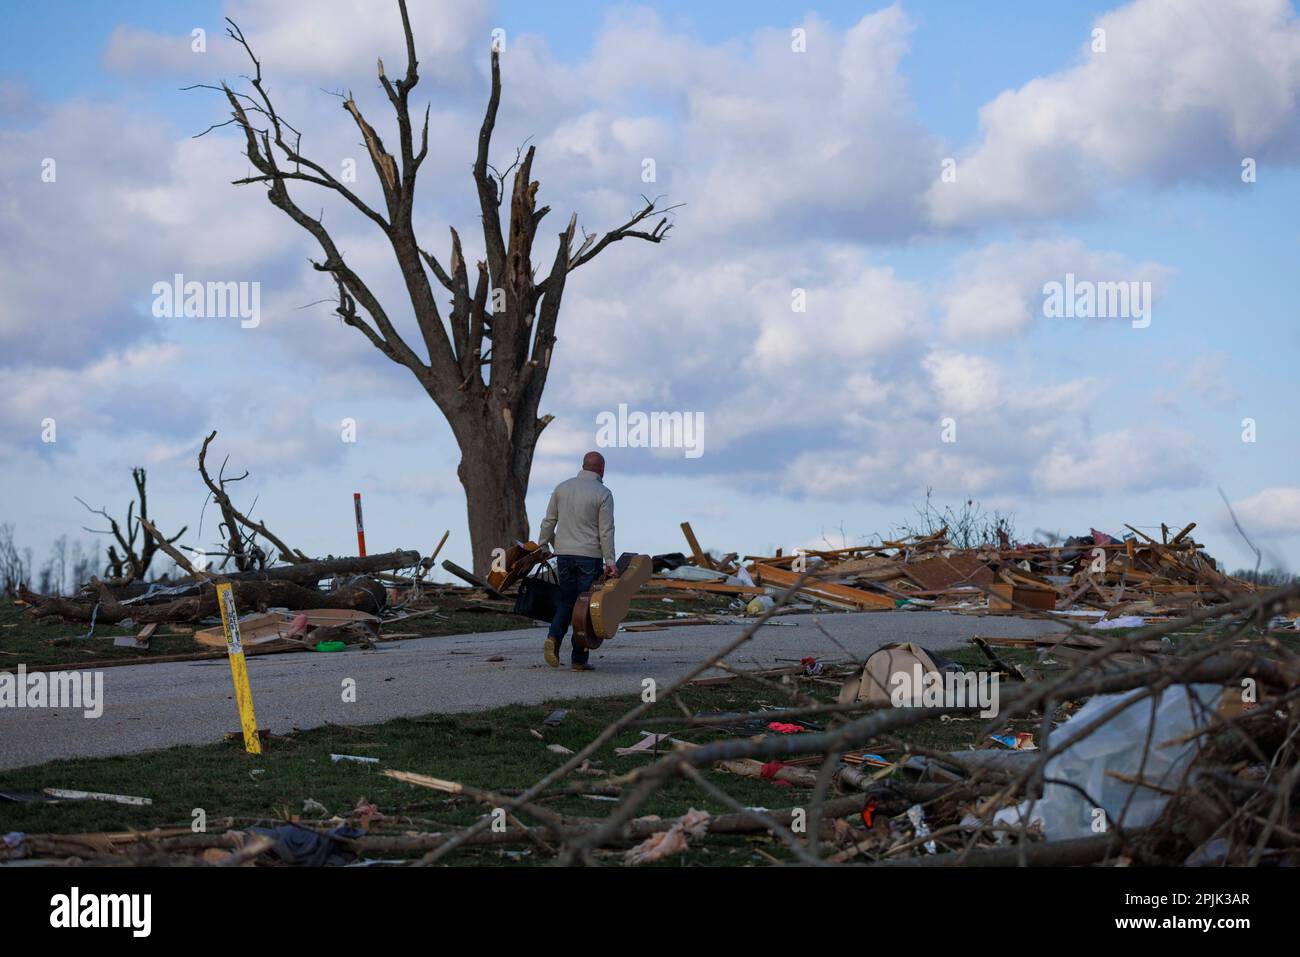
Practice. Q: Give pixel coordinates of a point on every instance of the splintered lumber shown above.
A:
(268, 627)
(998, 662)
(635, 830)
(140, 641)
(828, 592)
(68, 794)
(697, 554)
(871, 568)
(1004, 596)
(942, 572)
(1017, 641)
(721, 588)
(425, 781)
(832, 555)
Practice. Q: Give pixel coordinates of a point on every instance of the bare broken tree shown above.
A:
(241, 531)
(130, 565)
(486, 366)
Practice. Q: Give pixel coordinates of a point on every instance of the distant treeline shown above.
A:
(1271, 576)
(69, 566)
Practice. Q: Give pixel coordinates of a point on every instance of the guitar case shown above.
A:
(520, 559)
(601, 609)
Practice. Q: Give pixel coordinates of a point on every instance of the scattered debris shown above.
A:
(358, 759)
(1128, 767)
(773, 771)
(67, 794)
(917, 816)
(649, 744)
(1016, 741)
(301, 846)
(672, 841)
(1154, 724)
(139, 642)
(877, 682)
(1134, 579)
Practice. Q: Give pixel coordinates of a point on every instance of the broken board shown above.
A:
(269, 626)
(941, 573)
(828, 592)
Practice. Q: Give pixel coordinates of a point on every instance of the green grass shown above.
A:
(494, 749)
(24, 640)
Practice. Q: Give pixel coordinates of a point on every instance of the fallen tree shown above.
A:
(356, 594)
(310, 572)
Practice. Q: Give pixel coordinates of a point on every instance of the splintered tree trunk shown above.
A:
(495, 486)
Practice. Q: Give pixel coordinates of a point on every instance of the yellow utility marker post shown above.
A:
(238, 668)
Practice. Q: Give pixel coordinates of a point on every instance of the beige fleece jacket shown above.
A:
(580, 518)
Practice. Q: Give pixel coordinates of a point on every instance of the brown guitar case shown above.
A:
(519, 561)
(601, 609)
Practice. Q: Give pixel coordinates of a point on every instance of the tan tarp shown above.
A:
(872, 686)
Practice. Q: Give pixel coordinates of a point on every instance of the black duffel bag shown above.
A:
(537, 599)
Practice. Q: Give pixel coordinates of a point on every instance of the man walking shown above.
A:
(580, 522)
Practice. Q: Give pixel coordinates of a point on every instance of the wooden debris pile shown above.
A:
(1089, 576)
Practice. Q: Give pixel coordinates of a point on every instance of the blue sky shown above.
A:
(818, 171)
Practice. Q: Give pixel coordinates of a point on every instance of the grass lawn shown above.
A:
(25, 641)
(501, 749)
(498, 749)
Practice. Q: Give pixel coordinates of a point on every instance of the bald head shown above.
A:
(594, 462)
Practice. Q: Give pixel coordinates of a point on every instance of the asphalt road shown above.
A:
(149, 707)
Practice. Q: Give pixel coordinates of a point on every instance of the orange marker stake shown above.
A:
(361, 528)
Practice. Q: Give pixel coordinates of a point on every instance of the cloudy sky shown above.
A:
(919, 171)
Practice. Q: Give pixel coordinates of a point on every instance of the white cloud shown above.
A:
(757, 139)
(1271, 512)
(860, 313)
(336, 42)
(964, 383)
(124, 391)
(129, 206)
(1122, 460)
(1184, 91)
(997, 290)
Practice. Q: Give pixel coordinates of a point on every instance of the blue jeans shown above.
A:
(576, 573)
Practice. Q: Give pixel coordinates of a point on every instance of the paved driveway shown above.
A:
(147, 707)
